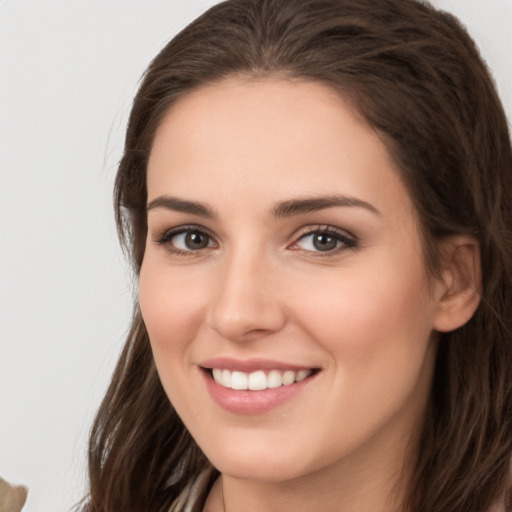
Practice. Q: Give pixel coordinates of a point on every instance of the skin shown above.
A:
(364, 313)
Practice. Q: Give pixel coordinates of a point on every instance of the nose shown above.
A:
(247, 303)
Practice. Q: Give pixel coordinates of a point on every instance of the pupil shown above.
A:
(195, 240)
(324, 242)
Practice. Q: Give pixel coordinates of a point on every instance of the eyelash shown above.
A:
(347, 240)
(166, 237)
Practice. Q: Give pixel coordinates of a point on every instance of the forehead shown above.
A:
(272, 138)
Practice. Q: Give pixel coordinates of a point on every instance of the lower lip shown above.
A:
(252, 402)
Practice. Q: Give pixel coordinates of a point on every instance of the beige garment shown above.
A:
(187, 500)
(12, 498)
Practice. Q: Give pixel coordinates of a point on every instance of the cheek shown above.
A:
(377, 332)
(368, 316)
(171, 307)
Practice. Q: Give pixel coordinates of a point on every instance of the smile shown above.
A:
(258, 380)
(256, 386)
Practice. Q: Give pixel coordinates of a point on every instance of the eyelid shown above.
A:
(348, 240)
(164, 237)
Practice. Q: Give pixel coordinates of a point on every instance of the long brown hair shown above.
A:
(415, 75)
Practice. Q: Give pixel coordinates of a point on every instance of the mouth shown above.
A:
(255, 386)
(258, 380)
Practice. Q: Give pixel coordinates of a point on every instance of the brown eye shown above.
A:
(325, 240)
(195, 240)
(184, 240)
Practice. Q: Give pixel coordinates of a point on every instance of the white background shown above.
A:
(68, 72)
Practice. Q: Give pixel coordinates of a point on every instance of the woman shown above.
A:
(316, 198)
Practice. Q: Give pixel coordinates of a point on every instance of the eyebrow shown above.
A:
(307, 205)
(181, 205)
(283, 209)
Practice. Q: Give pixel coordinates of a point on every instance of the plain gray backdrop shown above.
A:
(68, 72)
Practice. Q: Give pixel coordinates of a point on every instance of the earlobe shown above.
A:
(458, 293)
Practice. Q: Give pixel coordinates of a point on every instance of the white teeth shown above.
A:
(238, 380)
(302, 374)
(217, 375)
(258, 380)
(274, 379)
(226, 378)
(288, 378)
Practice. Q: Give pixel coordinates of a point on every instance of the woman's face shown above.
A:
(283, 287)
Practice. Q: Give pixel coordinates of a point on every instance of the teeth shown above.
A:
(274, 379)
(288, 378)
(302, 374)
(238, 380)
(258, 380)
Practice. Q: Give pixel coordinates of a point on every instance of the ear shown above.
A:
(457, 291)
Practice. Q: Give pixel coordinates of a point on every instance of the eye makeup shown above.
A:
(317, 241)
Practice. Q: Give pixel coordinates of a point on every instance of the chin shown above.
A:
(270, 471)
(262, 463)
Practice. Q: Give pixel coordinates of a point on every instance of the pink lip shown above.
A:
(251, 402)
(250, 365)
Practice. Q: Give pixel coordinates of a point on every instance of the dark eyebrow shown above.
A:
(306, 205)
(181, 205)
(282, 209)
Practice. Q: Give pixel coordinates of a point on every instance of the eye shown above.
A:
(186, 240)
(324, 240)
(190, 240)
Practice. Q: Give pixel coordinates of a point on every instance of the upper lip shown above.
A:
(251, 365)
